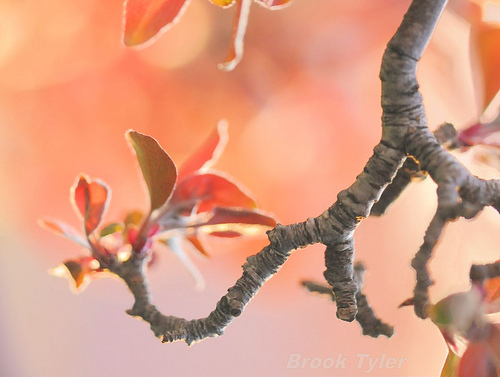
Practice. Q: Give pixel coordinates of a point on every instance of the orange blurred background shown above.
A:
(304, 115)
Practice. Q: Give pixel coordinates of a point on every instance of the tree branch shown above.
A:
(404, 132)
(369, 322)
(480, 273)
(411, 170)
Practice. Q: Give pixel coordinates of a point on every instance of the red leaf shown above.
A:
(132, 233)
(157, 167)
(476, 362)
(210, 190)
(208, 154)
(408, 302)
(485, 37)
(146, 18)
(239, 28)
(493, 289)
(223, 215)
(65, 230)
(234, 222)
(91, 198)
(77, 271)
(78, 194)
(195, 241)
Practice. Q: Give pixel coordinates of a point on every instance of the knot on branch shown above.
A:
(233, 302)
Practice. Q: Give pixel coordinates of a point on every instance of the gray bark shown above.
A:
(404, 133)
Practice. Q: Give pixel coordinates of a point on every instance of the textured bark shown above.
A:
(412, 171)
(369, 322)
(404, 133)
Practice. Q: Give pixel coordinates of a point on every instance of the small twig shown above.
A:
(447, 136)
(318, 288)
(482, 272)
(405, 175)
(419, 263)
(369, 322)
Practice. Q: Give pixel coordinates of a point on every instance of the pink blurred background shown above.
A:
(304, 115)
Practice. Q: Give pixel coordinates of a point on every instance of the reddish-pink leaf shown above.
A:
(210, 190)
(157, 167)
(208, 154)
(90, 198)
(229, 232)
(78, 271)
(224, 215)
(273, 4)
(78, 194)
(146, 18)
(492, 288)
(132, 234)
(97, 205)
(196, 242)
(234, 222)
(65, 230)
(453, 344)
(239, 28)
(482, 133)
(476, 362)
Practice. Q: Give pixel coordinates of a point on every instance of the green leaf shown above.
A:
(157, 167)
(133, 218)
(450, 367)
(110, 229)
